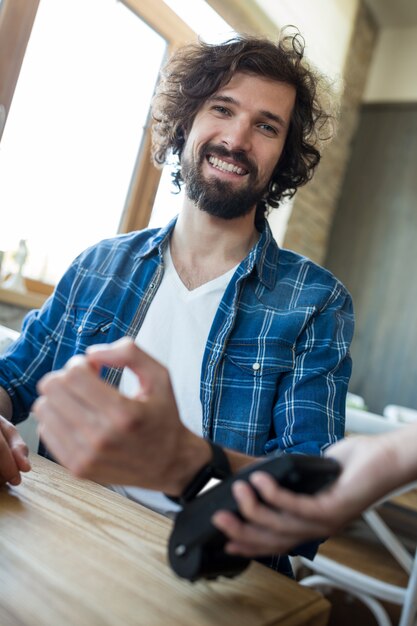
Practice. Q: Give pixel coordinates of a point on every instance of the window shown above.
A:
(73, 132)
(76, 133)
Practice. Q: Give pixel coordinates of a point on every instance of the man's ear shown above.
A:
(181, 133)
(186, 128)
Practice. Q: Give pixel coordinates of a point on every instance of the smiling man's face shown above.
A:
(234, 144)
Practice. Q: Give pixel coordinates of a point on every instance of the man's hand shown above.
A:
(289, 519)
(13, 454)
(98, 433)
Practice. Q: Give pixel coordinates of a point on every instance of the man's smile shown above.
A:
(225, 166)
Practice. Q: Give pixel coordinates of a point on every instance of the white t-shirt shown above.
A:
(175, 332)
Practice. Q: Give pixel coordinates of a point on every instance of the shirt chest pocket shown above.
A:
(89, 326)
(246, 392)
(266, 360)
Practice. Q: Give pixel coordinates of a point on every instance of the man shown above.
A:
(256, 340)
(372, 467)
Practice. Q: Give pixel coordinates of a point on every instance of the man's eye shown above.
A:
(221, 109)
(268, 129)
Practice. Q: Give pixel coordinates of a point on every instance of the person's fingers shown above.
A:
(253, 510)
(18, 448)
(267, 527)
(244, 537)
(82, 392)
(9, 470)
(78, 379)
(252, 539)
(66, 401)
(271, 517)
(316, 516)
(279, 520)
(249, 504)
(73, 416)
(310, 507)
(125, 353)
(57, 432)
(13, 454)
(20, 453)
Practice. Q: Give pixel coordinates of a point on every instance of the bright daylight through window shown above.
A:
(74, 129)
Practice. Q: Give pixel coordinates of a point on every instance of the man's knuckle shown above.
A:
(166, 376)
(75, 361)
(128, 424)
(101, 443)
(125, 416)
(72, 376)
(20, 445)
(79, 466)
(40, 407)
(252, 506)
(10, 428)
(131, 351)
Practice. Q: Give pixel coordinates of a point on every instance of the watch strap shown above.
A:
(217, 467)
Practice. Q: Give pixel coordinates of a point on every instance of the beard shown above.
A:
(218, 197)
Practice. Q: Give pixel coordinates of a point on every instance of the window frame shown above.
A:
(145, 178)
(16, 21)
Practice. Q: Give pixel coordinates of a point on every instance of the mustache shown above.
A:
(235, 155)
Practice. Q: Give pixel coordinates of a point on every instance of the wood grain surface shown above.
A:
(75, 553)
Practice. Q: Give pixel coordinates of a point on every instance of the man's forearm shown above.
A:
(6, 408)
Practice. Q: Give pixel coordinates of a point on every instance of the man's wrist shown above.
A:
(218, 467)
(193, 454)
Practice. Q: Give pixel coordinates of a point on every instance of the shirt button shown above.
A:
(80, 329)
(256, 367)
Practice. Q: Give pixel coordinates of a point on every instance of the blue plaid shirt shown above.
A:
(276, 365)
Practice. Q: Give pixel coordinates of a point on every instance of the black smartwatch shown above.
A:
(217, 467)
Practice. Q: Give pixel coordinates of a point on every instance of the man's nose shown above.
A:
(238, 136)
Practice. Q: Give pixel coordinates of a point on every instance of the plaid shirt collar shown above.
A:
(263, 256)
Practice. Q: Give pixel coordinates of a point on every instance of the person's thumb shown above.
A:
(125, 353)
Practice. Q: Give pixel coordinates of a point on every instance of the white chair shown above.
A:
(363, 422)
(355, 401)
(373, 569)
(396, 413)
(7, 336)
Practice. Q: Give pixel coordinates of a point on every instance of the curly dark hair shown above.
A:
(196, 71)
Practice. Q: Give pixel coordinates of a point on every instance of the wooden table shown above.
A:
(407, 499)
(75, 553)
